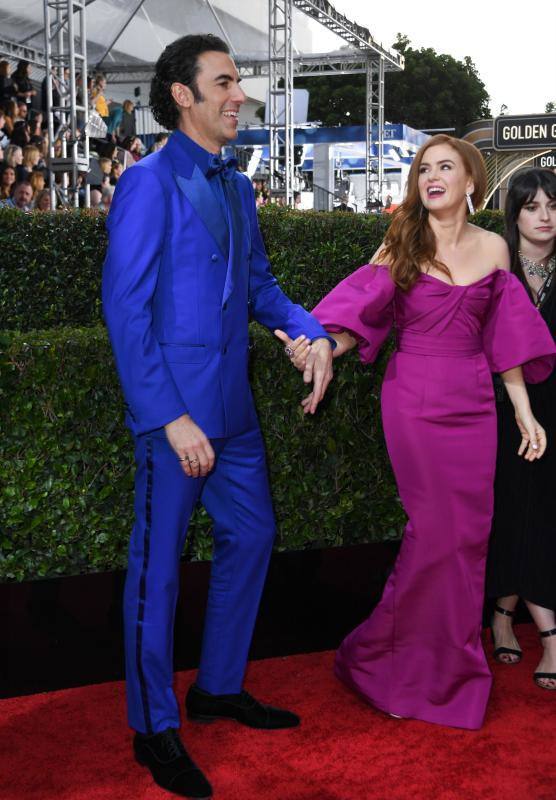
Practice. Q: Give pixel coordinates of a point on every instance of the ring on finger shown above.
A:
(193, 460)
(183, 459)
(288, 351)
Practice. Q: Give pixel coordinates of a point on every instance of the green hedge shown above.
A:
(66, 473)
(50, 269)
(51, 264)
(66, 467)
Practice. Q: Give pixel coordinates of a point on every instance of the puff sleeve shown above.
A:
(515, 334)
(363, 305)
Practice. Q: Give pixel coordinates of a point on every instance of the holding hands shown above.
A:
(314, 360)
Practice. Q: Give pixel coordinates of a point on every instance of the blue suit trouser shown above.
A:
(237, 497)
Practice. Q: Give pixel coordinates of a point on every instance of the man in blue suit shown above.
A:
(185, 269)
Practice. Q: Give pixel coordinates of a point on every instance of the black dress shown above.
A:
(522, 549)
(7, 89)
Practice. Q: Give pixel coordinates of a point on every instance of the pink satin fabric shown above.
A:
(419, 654)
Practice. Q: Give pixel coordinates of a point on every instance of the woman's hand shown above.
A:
(297, 350)
(307, 403)
(314, 360)
(533, 436)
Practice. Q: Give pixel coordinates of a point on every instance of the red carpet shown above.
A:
(74, 744)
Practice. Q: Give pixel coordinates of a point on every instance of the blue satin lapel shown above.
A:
(203, 200)
(235, 222)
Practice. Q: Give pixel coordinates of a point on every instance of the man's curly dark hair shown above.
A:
(178, 63)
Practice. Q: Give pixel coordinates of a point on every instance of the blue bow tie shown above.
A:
(227, 167)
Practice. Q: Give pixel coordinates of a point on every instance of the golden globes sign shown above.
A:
(548, 161)
(525, 132)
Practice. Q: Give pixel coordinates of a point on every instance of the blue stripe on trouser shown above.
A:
(237, 497)
(143, 589)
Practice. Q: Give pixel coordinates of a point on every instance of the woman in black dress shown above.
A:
(522, 555)
(7, 90)
(24, 90)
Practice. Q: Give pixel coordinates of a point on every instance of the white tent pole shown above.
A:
(222, 28)
(120, 32)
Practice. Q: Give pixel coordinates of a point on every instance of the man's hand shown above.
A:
(193, 449)
(315, 361)
(296, 350)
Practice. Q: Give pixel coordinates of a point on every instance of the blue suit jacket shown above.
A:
(179, 285)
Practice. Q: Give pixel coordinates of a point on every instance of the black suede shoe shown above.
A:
(171, 767)
(204, 707)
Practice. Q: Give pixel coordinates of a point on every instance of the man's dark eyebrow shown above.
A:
(225, 77)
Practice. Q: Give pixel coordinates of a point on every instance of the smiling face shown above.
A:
(537, 219)
(443, 179)
(211, 117)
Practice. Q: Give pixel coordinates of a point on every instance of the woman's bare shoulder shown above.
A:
(494, 249)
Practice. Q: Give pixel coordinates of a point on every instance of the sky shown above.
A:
(514, 50)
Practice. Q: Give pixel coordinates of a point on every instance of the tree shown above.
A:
(335, 99)
(550, 108)
(434, 91)
(338, 100)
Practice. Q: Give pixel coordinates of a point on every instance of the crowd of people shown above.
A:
(24, 139)
(24, 173)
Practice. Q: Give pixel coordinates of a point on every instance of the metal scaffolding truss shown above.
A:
(280, 98)
(321, 64)
(303, 65)
(376, 60)
(17, 50)
(66, 50)
(356, 35)
(374, 121)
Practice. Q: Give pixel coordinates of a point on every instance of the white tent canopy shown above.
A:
(136, 31)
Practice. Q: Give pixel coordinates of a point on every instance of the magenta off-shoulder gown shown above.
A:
(419, 654)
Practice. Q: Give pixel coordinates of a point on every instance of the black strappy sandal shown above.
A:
(546, 675)
(499, 651)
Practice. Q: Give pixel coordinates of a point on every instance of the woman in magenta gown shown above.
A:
(459, 315)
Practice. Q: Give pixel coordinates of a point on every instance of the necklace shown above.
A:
(534, 268)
